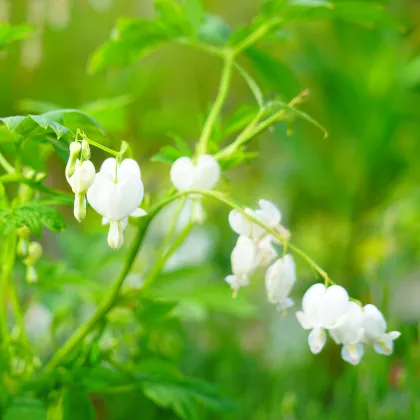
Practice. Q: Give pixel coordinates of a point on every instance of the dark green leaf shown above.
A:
(26, 408)
(77, 405)
(239, 119)
(183, 147)
(275, 74)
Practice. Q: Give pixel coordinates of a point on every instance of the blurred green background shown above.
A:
(351, 201)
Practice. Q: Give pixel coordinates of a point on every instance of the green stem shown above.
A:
(218, 103)
(6, 165)
(160, 263)
(96, 144)
(6, 273)
(255, 36)
(113, 295)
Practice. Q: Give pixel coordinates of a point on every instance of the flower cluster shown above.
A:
(255, 248)
(349, 324)
(115, 192)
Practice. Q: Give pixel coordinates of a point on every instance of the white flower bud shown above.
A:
(31, 274)
(83, 177)
(34, 253)
(75, 148)
(85, 150)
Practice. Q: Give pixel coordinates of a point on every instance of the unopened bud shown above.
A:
(34, 253)
(75, 148)
(85, 150)
(31, 274)
(79, 210)
(22, 247)
(40, 176)
(23, 232)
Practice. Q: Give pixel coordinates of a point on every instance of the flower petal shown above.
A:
(269, 213)
(138, 213)
(239, 223)
(335, 304)
(243, 257)
(352, 353)
(129, 166)
(115, 235)
(183, 173)
(312, 303)
(384, 347)
(317, 339)
(374, 322)
(207, 173)
(303, 320)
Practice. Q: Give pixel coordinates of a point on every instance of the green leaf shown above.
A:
(171, 15)
(168, 154)
(33, 214)
(193, 12)
(9, 34)
(77, 405)
(239, 119)
(132, 39)
(273, 73)
(183, 147)
(26, 408)
(73, 119)
(255, 89)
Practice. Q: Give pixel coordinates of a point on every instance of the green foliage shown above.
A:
(34, 215)
(25, 408)
(9, 33)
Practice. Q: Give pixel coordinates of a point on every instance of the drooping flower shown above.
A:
(115, 194)
(243, 260)
(81, 180)
(203, 175)
(267, 213)
(279, 280)
(322, 308)
(351, 334)
(375, 330)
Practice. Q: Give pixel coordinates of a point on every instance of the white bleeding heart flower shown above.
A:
(244, 263)
(279, 280)
(375, 330)
(351, 334)
(203, 175)
(322, 308)
(83, 176)
(115, 194)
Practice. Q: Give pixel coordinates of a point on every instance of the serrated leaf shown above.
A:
(9, 33)
(73, 119)
(47, 123)
(25, 408)
(33, 215)
(12, 122)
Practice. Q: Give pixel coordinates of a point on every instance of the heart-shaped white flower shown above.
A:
(115, 194)
(203, 175)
